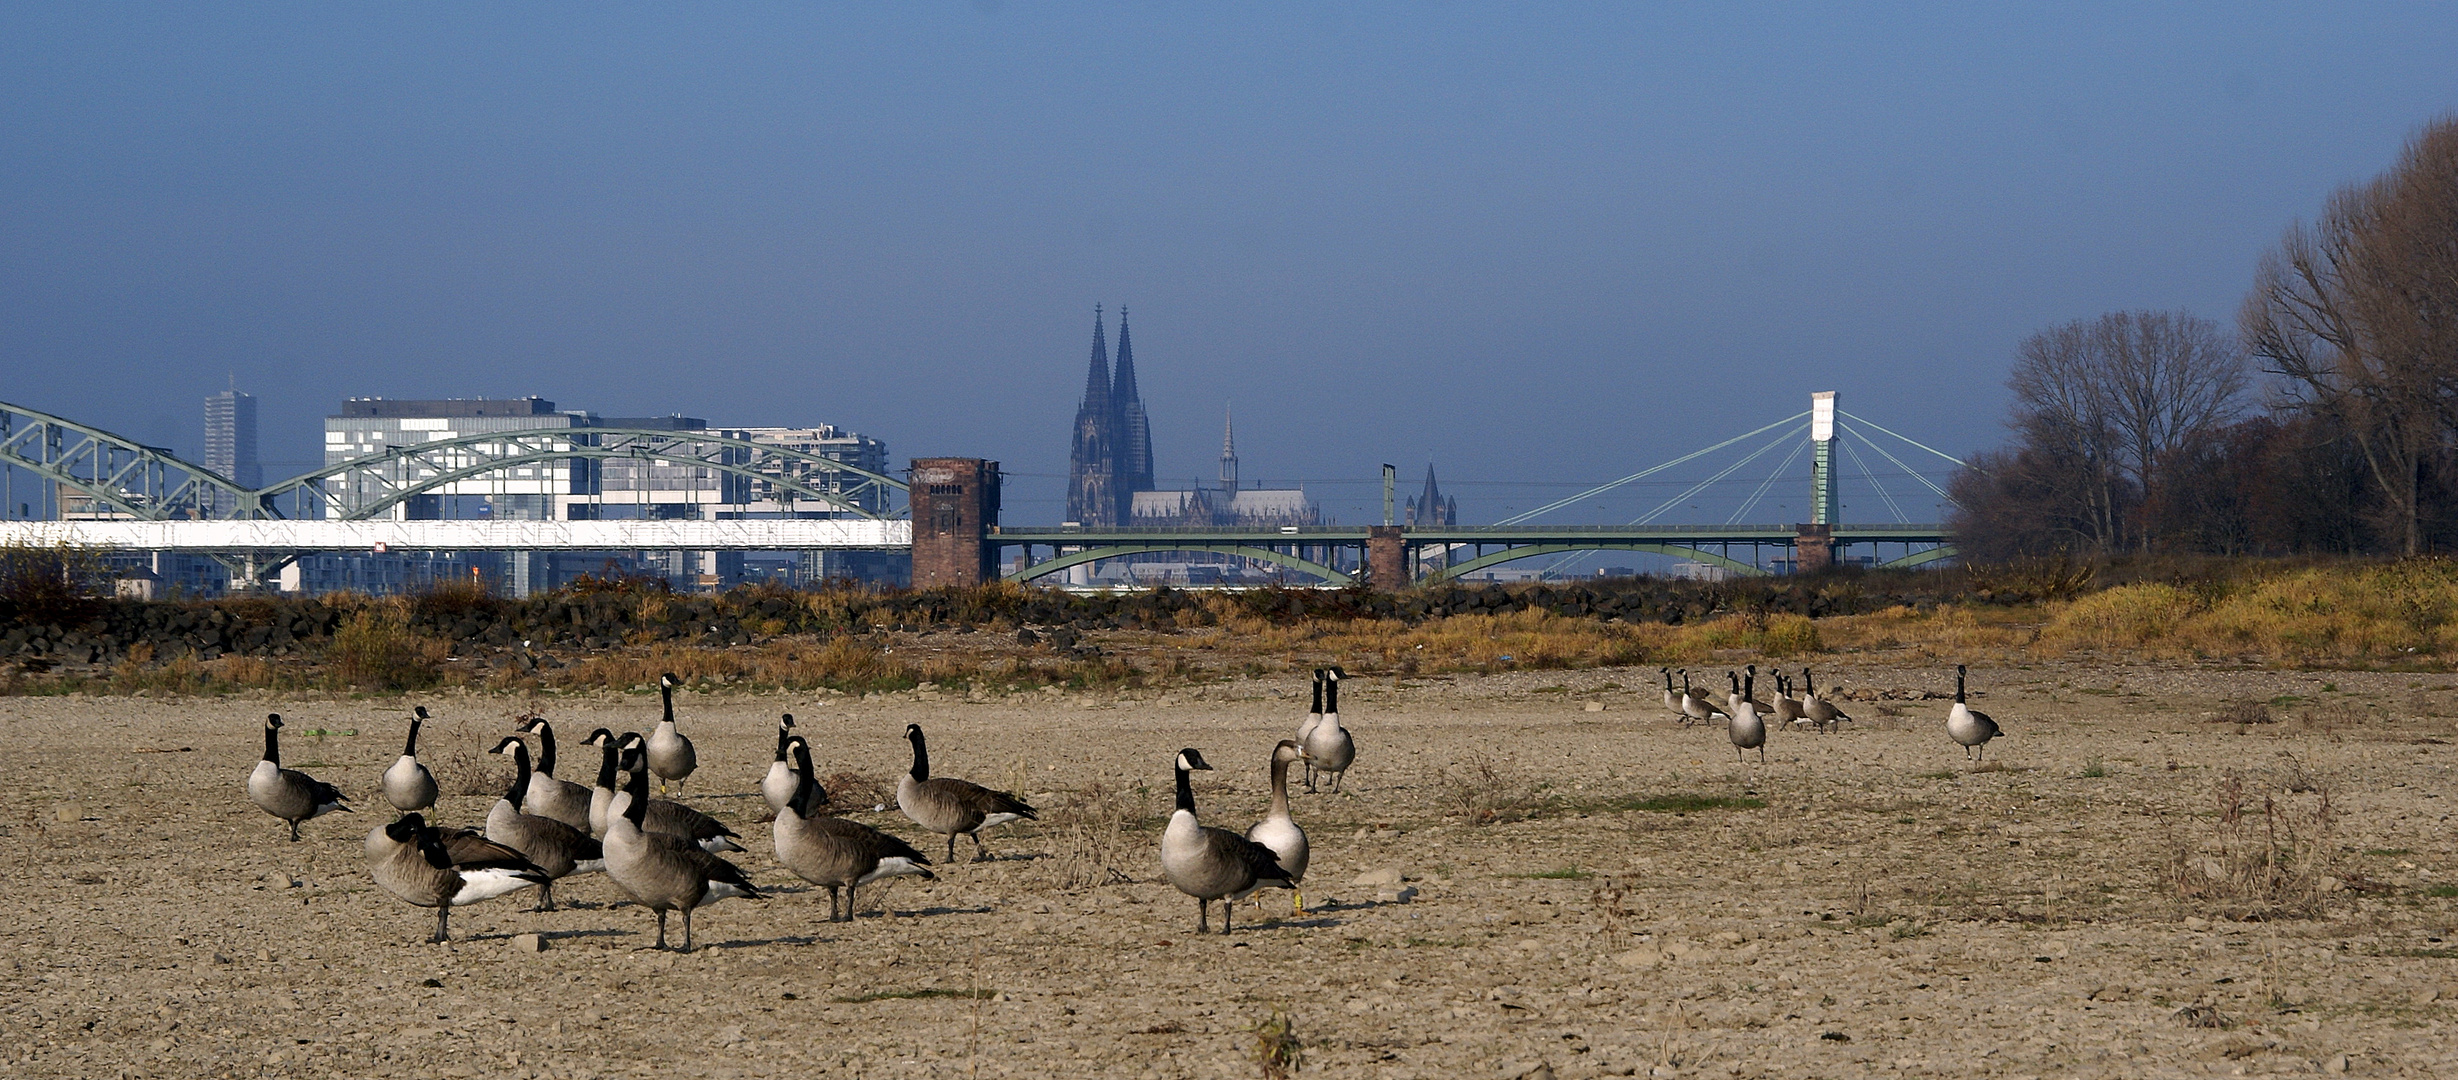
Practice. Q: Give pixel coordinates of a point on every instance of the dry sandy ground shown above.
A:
(1890, 911)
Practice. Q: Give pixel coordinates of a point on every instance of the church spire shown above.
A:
(1431, 508)
(1093, 492)
(1097, 378)
(1134, 428)
(1228, 451)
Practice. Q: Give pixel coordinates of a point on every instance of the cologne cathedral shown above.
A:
(1109, 474)
(1112, 458)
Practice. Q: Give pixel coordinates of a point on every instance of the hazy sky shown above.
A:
(1539, 244)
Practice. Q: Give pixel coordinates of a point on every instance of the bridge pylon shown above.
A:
(1814, 548)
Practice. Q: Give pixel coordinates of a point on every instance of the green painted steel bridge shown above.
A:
(1335, 553)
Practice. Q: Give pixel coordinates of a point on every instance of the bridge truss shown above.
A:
(118, 477)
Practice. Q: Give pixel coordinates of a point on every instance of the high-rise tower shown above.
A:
(230, 440)
(1094, 493)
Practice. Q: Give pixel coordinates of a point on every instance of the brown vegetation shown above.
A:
(2126, 433)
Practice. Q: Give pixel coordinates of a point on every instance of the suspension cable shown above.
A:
(1763, 485)
(1925, 481)
(1728, 471)
(1872, 476)
(1644, 473)
(1899, 435)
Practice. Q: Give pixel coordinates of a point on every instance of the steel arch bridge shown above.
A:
(404, 472)
(127, 476)
(150, 483)
(1250, 547)
(1328, 552)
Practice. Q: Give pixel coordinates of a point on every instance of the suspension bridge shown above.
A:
(103, 491)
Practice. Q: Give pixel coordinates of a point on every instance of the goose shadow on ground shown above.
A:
(789, 939)
(553, 935)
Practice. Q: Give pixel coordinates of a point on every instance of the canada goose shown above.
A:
(664, 872)
(671, 818)
(1970, 727)
(413, 861)
(1278, 831)
(1698, 705)
(1788, 709)
(1329, 747)
(550, 795)
(1747, 731)
(1821, 711)
(602, 793)
(1740, 694)
(1212, 864)
(779, 785)
(559, 850)
(950, 806)
(1672, 697)
(1305, 728)
(670, 754)
(833, 851)
(408, 785)
(289, 794)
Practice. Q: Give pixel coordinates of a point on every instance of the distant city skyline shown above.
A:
(1540, 247)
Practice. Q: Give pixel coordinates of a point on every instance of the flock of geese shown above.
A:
(1746, 718)
(667, 856)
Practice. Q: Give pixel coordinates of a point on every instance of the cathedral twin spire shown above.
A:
(1111, 458)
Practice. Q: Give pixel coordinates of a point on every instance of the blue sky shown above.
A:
(1540, 245)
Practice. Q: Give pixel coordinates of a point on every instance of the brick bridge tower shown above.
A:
(955, 506)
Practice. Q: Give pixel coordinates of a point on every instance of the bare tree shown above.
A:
(2062, 418)
(2122, 396)
(2167, 379)
(2359, 312)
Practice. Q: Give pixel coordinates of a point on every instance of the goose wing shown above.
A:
(676, 819)
(976, 797)
(465, 849)
(720, 872)
(1230, 849)
(325, 794)
(885, 845)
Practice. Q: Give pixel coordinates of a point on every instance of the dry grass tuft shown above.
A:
(2268, 850)
(1088, 837)
(2248, 711)
(1478, 793)
(849, 790)
(375, 650)
(453, 747)
(1277, 1051)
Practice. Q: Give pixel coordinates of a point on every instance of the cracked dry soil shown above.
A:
(1888, 910)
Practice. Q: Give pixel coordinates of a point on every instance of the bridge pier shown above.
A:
(955, 508)
(1386, 558)
(1813, 548)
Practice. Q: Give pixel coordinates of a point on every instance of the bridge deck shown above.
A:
(342, 536)
(1484, 534)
